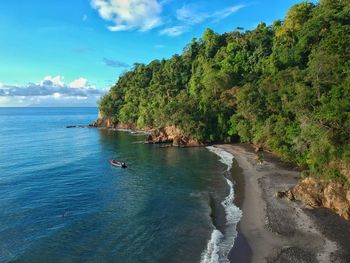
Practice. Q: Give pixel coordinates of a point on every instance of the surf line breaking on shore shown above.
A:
(220, 244)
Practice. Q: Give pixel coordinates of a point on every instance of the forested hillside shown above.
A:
(285, 86)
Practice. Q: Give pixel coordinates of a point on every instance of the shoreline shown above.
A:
(241, 251)
(91, 126)
(277, 230)
(225, 216)
(273, 229)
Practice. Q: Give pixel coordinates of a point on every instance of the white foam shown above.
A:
(219, 245)
(225, 157)
(233, 215)
(211, 254)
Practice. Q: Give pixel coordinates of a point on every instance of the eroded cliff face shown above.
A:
(318, 193)
(174, 135)
(108, 123)
(169, 134)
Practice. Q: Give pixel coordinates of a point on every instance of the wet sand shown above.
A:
(277, 230)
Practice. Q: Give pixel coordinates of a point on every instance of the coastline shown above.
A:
(273, 229)
(225, 216)
(277, 230)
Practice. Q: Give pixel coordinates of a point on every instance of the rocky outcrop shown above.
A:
(79, 126)
(318, 193)
(108, 123)
(104, 122)
(169, 134)
(173, 135)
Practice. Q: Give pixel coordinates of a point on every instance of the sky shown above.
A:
(69, 52)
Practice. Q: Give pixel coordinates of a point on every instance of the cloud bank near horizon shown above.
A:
(51, 91)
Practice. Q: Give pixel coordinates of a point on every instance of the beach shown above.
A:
(278, 230)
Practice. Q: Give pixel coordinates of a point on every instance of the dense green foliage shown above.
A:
(285, 86)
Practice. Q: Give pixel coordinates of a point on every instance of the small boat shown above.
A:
(118, 164)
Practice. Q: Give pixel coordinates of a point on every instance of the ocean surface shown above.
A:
(61, 200)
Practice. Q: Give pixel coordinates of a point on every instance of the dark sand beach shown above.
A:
(278, 230)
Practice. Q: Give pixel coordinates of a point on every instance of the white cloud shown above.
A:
(79, 83)
(51, 91)
(221, 14)
(190, 14)
(6, 101)
(144, 15)
(174, 31)
(141, 15)
(56, 95)
(54, 81)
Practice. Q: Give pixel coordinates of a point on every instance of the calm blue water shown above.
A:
(61, 201)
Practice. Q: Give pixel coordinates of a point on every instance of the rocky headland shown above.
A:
(170, 135)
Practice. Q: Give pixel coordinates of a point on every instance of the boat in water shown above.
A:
(118, 164)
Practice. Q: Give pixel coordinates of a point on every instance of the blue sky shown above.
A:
(69, 52)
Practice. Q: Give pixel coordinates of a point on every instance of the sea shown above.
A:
(62, 201)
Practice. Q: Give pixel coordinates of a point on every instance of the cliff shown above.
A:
(108, 123)
(316, 192)
(174, 135)
(320, 193)
(168, 134)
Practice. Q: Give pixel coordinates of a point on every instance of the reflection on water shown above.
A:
(61, 200)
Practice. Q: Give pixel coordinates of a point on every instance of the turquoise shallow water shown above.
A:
(61, 200)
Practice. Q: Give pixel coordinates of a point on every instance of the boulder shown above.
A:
(310, 191)
(318, 193)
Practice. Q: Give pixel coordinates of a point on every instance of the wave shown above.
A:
(211, 254)
(225, 157)
(219, 244)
